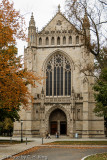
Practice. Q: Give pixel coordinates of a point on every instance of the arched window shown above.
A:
(58, 73)
(40, 41)
(52, 40)
(58, 41)
(47, 41)
(64, 40)
(77, 39)
(70, 40)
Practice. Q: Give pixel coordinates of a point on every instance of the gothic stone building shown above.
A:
(64, 101)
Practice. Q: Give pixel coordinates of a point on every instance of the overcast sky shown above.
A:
(43, 11)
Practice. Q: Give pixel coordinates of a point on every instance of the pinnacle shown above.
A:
(59, 7)
(86, 20)
(32, 21)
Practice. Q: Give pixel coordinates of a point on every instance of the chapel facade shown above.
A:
(64, 100)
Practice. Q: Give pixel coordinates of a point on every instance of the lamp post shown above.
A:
(21, 131)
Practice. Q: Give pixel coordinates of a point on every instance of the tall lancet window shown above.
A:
(52, 40)
(58, 41)
(64, 40)
(58, 73)
(77, 39)
(70, 40)
(40, 41)
(47, 41)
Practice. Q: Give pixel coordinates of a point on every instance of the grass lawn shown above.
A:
(102, 156)
(79, 143)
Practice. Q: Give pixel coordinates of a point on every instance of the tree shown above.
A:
(89, 18)
(13, 77)
(100, 88)
(101, 94)
(94, 70)
(12, 24)
(6, 127)
(103, 2)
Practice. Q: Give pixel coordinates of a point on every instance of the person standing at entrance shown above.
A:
(57, 134)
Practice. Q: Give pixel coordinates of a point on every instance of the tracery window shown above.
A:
(58, 73)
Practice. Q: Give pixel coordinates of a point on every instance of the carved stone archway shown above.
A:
(48, 113)
(58, 122)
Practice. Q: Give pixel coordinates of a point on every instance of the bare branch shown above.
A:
(101, 22)
(103, 2)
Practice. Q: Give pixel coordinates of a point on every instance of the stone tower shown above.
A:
(32, 38)
(64, 101)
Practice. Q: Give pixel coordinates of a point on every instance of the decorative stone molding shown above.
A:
(54, 107)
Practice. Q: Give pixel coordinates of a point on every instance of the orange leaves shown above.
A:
(13, 78)
(11, 24)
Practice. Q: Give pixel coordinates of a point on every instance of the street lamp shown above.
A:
(21, 131)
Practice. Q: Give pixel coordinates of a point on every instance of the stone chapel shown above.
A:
(64, 101)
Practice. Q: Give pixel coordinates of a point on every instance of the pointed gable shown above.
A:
(58, 23)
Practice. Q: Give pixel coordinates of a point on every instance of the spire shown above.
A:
(86, 22)
(32, 32)
(32, 21)
(59, 7)
(86, 25)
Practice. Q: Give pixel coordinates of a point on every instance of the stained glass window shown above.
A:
(58, 73)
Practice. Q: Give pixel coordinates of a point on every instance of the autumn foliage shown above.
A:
(13, 77)
(11, 24)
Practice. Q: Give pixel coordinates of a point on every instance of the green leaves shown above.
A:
(101, 94)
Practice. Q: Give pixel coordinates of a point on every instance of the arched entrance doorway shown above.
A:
(58, 122)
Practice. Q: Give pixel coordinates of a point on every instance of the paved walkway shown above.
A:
(52, 153)
(8, 150)
(12, 149)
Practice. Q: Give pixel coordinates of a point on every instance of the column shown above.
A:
(85, 130)
(58, 125)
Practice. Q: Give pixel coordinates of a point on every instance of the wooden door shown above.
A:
(53, 127)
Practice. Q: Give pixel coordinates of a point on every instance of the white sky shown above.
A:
(43, 11)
